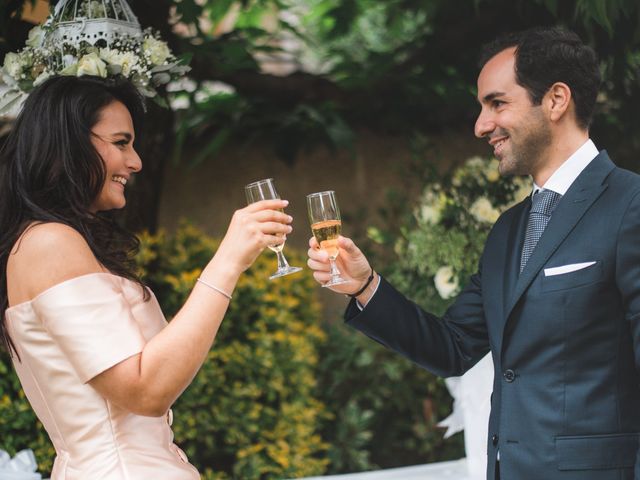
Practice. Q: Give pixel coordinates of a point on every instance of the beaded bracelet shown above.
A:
(367, 283)
(213, 287)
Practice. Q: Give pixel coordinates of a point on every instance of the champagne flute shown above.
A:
(324, 216)
(266, 190)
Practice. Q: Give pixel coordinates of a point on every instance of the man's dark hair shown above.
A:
(50, 171)
(546, 55)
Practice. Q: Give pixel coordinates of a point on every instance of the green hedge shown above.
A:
(384, 408)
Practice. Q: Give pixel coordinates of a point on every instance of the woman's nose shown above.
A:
(134, 162)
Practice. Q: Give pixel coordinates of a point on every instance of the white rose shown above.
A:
(110, 56)
(157, 50)
(446, 283)
(483, 211)
(36, 34)
(430, 209)
(13, 65)
(125, 60)
(429, 214)
(91, 64)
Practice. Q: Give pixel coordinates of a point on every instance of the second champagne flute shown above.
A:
(324, 216)
(266, 190)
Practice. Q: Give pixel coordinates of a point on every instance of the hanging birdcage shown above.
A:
(91, 21)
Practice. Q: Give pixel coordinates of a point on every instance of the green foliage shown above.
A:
(288, 131)
(19, 427)
(363, 39)
(398, 65)
(384, 409)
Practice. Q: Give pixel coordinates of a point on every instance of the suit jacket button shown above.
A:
(494, 439)
(509, 375)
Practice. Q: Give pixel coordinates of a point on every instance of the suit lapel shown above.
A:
(516, 240)
(584, 191)
(503, 267)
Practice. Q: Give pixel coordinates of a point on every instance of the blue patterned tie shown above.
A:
(543, 204)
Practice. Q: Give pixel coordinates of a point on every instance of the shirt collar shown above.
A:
(566, 174)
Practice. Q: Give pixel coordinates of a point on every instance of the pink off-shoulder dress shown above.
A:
(66, 336)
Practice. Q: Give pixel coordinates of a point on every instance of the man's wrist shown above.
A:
(364, 286)
(365, 297)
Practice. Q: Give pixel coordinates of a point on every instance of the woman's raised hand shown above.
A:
(251, 230)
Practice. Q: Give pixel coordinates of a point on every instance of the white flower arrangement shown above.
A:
(145, 59)
(468, 203)
(440, 249)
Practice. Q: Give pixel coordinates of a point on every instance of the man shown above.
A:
(557, 294)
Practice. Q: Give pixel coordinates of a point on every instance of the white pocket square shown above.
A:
(549, 272)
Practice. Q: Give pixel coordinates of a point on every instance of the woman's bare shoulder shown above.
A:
(47, 254)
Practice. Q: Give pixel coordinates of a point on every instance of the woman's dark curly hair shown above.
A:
(51, 172)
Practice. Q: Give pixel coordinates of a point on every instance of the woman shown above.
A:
(91, 347)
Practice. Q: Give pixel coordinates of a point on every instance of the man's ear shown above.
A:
(558, 100)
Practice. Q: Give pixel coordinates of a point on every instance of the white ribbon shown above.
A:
(471, 405)
(21, 467)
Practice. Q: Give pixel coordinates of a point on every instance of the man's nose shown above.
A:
(484, 125)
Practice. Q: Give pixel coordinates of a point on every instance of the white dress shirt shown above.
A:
(566, 173)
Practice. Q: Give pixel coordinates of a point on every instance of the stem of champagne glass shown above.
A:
(334, 268)
(282, 262)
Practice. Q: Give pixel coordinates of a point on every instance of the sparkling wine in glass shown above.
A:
(266, 190)
(324, 216)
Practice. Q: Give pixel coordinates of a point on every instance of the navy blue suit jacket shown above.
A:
(566, 393)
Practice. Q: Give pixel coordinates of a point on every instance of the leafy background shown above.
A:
(297, 74)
